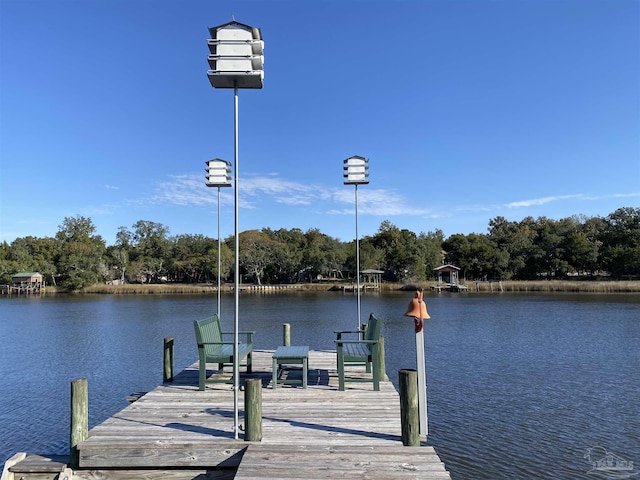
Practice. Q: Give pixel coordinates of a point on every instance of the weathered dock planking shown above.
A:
(178, 432)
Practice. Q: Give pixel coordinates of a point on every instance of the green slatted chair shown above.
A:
(363, 351)
(212, 348)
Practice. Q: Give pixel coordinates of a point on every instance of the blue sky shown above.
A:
(467, 110)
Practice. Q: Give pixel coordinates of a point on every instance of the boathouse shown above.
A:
(26, 282)
(447, 274)
(27, 279)
(447, 279)
(372, 277)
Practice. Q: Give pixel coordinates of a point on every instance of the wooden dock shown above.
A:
(449, 287)
(19, 289)
(178, 432)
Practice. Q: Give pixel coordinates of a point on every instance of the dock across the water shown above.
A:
(318, 432)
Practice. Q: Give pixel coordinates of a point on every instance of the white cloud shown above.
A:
(626, 195)
(281, 191)
(189, 190)
(542, 200)
(184, 190)
(578, 196)
(262, 191)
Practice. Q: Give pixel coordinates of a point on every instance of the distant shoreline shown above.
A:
(519, 286)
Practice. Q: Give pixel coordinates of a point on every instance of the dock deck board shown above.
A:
(313, 433)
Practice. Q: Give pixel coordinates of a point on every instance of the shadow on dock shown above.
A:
(178, 432)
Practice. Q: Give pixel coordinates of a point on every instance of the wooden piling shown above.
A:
(167, 375)
(180, 432)
(410, 425)
(381, 362)
(286, 334)
(79, 430)
(253, 410)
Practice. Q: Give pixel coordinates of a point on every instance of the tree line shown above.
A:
(146, 253)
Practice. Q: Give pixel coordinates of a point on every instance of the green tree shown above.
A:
(549, 247)
(431, 248)
(289, 257)
(475, 254)
(593, 229)
(335, 255)
(7, 266)
(150, 248)
(514, 243)
(44, 252)
(403, 257)
(408, 257)
(256, 253)
(119, 262)
(371, 256)
(322, 255)
(150, 239)
(124, 239)
(81, 252)
(194, 258)
(580, 253)
(621, 242)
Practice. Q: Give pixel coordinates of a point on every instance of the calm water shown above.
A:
(519, 386)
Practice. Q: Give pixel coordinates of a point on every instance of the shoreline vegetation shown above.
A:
(513, 286)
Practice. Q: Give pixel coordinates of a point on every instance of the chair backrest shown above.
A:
(208, 330)
(374, 326)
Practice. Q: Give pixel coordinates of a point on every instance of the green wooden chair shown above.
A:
(212, 348)
(364, 351)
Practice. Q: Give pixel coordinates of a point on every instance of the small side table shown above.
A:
(291, 355)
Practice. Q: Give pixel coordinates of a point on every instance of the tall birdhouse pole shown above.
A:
(236, 60)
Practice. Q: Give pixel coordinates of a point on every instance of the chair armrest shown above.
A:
(340, 332)
(365, 342)
(201, 344)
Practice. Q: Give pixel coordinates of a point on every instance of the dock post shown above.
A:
(408, 383)
(79, 418)
(167, 375)
(253, 410)
(286, 334)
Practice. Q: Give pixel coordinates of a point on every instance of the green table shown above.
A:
(291, 355)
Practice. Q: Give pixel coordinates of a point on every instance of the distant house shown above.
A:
(26, 282)
(447, 274)
(32, 279)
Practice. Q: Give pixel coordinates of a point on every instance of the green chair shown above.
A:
(364, 351)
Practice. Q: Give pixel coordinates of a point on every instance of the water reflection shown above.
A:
(519, 386)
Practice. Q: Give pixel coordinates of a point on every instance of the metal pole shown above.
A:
(236, 283)
(218, 252)
(357, 260)
(422, 384)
